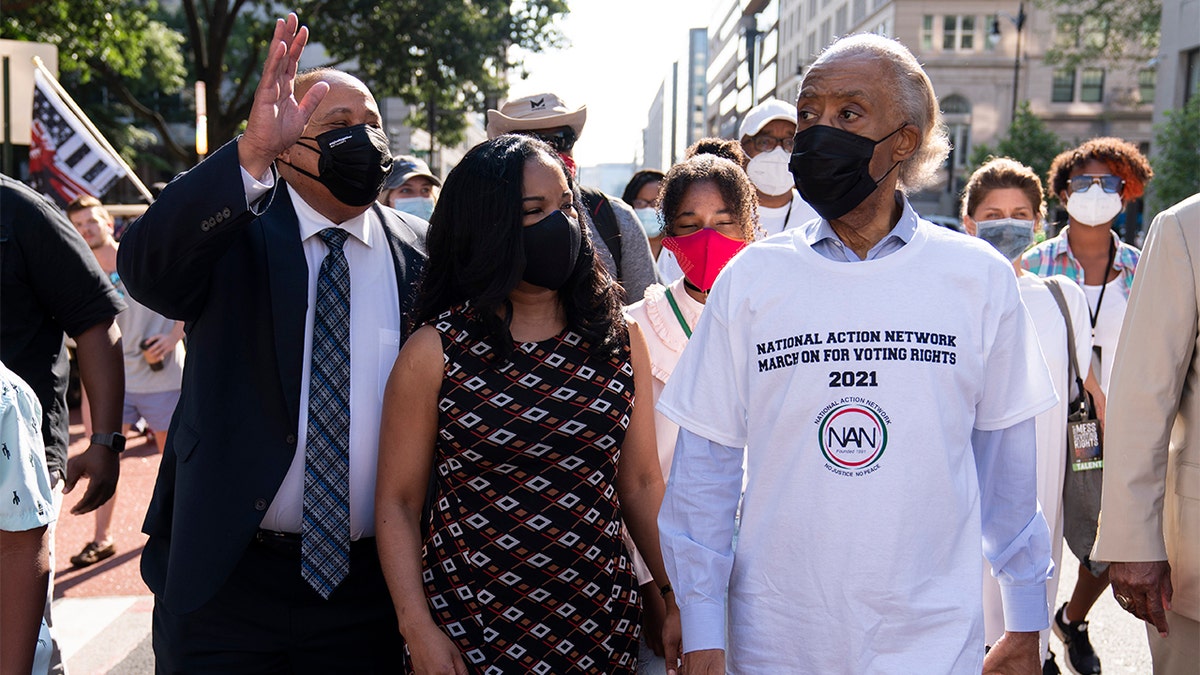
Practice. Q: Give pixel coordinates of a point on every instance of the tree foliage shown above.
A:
(113, 56)
(1029, 141)
(1176, 158)
(445, 59)
(1112, 31)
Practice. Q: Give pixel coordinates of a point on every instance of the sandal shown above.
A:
(93, 553)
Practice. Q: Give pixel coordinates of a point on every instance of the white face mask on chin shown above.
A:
(770, 174)
(1094, 207)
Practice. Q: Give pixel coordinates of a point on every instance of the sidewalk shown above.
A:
(102, 612)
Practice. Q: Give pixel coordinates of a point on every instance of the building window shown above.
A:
(860, 11)
(812, 9)
(1146, 82)
(840, 25)
(990, 27)
(958, 33)
(826, 33)
(1094, 31)
(812, 46)
(1063, 89)
(1066, 31)
(1091, 85)
(927, 33)
(1192, 74)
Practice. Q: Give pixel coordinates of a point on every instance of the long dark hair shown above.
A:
(476, 253)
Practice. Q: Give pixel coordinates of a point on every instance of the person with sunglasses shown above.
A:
(622, 244)
(1096, 182)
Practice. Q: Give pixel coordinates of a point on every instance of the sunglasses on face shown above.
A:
(766, 143)
(1109, 183)
(561, 141)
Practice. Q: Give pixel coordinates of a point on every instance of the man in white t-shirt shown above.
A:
(883, 377)
(766, 135)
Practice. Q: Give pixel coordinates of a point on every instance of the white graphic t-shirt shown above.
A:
(855, 387)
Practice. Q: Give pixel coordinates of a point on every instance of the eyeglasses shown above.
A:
(768, 143)
(562, 140)
(1109, 183)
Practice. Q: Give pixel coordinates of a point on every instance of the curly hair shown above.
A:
(477, 254)
(999, 173)
(1120, 156)
(639, 181)
(721, 147)
(913, 93)
(730, 180)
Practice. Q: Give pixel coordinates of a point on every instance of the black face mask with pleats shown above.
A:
(832, 169)
(354, 165)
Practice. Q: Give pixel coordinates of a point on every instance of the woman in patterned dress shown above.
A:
(518, 433)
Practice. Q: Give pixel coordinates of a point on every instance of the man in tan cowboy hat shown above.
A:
(625, 250)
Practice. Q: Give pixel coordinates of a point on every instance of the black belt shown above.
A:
(289, 542)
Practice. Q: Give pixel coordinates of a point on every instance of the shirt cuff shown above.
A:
(1025, 608)
(257, 187)
(703, 626)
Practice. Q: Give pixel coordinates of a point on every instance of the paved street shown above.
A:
(102, 613)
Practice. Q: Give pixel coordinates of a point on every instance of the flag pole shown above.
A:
(53, 81)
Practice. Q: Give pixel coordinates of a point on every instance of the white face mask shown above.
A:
(770, 174)
(421, 207)
(1094, 206)
(649, 220)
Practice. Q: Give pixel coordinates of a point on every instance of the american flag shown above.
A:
(65, 160)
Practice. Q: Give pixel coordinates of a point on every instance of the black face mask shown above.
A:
(832, 169)
(551, 250)
(355, 163)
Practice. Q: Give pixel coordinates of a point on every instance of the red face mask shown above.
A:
(702, 255)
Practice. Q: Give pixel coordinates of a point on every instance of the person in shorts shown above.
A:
(153, 351)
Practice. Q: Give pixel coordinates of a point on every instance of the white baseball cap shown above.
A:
(764, 113)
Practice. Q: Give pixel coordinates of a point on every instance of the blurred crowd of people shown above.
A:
(755, 415)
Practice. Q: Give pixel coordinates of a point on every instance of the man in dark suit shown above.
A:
(293, 284)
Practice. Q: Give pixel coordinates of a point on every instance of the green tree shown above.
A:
(1111, 31)
(445, 59)
(1176, 159)
(120, 45)
(1028, 141)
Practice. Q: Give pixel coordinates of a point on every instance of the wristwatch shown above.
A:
(115, 441)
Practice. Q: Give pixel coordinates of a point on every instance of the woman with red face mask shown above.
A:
(709, 212)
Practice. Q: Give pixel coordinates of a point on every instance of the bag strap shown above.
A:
(602, 214)
(1072, 371)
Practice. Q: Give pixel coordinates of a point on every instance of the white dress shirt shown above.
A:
(374, 345)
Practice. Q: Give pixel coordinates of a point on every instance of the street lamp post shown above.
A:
(1019, 22)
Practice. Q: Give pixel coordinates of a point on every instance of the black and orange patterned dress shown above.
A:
(524, 565)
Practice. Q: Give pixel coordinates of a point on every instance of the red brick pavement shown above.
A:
(120, 574)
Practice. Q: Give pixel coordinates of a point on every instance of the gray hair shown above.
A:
(914, 93)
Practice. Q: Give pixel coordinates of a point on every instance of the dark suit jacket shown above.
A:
(238, 279)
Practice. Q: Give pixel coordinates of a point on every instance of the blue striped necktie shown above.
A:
(325, 542)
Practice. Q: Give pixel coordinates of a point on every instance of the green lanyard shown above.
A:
(678, 314)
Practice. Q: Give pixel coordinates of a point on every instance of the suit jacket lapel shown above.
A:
(408, 261)
(287, 272)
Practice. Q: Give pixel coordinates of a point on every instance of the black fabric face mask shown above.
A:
(355, 163)
(551, 250)
(832, 169)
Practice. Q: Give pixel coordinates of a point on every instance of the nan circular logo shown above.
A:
(852, 436)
